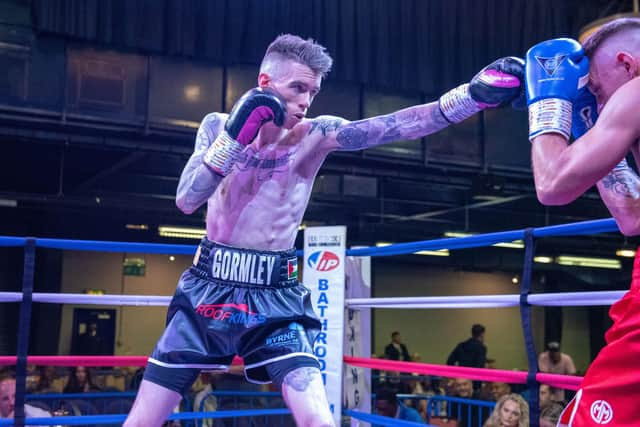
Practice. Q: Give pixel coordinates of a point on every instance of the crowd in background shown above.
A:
(510, 400)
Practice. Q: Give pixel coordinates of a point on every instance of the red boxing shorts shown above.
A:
(610, 392)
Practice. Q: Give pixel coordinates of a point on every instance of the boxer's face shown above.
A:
(298, 85)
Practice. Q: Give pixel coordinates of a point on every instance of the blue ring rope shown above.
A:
(571, 229)
(75, 420)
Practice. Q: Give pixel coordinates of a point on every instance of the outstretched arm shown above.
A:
(198, 182)
(498, 84)
(410, 123)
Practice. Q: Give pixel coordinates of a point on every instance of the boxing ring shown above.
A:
(525, 300)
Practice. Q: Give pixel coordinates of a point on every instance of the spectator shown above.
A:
(544, 396)
(32, 379)
(510, 411)
(91, 342)
(553, 361)
(395, 350)
(210, 401)
(387, 405)
(550, 415)
(472, 352)
(397, 383)
(8, 400)
(431, 387)
(498, 390)
(47, 380)
(79, 381)
(463, 388)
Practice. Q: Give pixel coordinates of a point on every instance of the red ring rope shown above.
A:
(499, 375)
(515, 377)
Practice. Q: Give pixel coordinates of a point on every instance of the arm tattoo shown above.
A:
(197, 182)
(622, 181)
(325, 125)
(410, 123)
(299, 379)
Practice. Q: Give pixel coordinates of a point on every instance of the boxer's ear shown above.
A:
(629, 62)
(264, 79)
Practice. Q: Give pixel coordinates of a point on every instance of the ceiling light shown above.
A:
(137, 227)
(543, 259)
(515, 280)
(181, 232)
(172, 258)
(192, 93)
(578, 261)
(516, 244)
(626, 253)
(440, 252)
(8, 203)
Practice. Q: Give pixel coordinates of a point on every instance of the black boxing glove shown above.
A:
(497, 84)
(253, 109)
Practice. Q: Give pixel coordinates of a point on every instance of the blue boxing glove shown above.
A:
(555, 70)
(585, 113)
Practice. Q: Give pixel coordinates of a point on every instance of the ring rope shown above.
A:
(562, 381)
(119, 418)
(497, 375)
(571, 229)
(564, 299)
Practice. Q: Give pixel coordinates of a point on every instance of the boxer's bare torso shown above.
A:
(261, 203)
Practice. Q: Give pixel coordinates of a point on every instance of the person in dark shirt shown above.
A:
(395, 350)
(472, 352)
(387, 405)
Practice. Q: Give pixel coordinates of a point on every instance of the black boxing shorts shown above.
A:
(236, 301)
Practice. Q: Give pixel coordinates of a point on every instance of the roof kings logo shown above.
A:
(551, 65)
(323, 261)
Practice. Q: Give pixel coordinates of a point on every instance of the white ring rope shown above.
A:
(468, 301)
(139, 300)
(483, 301)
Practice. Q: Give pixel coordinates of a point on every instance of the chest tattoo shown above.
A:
(265, 167)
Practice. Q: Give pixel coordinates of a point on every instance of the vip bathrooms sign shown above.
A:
(324, 258)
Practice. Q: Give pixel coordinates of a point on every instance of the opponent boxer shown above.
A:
(562, 78)
(255, 170)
